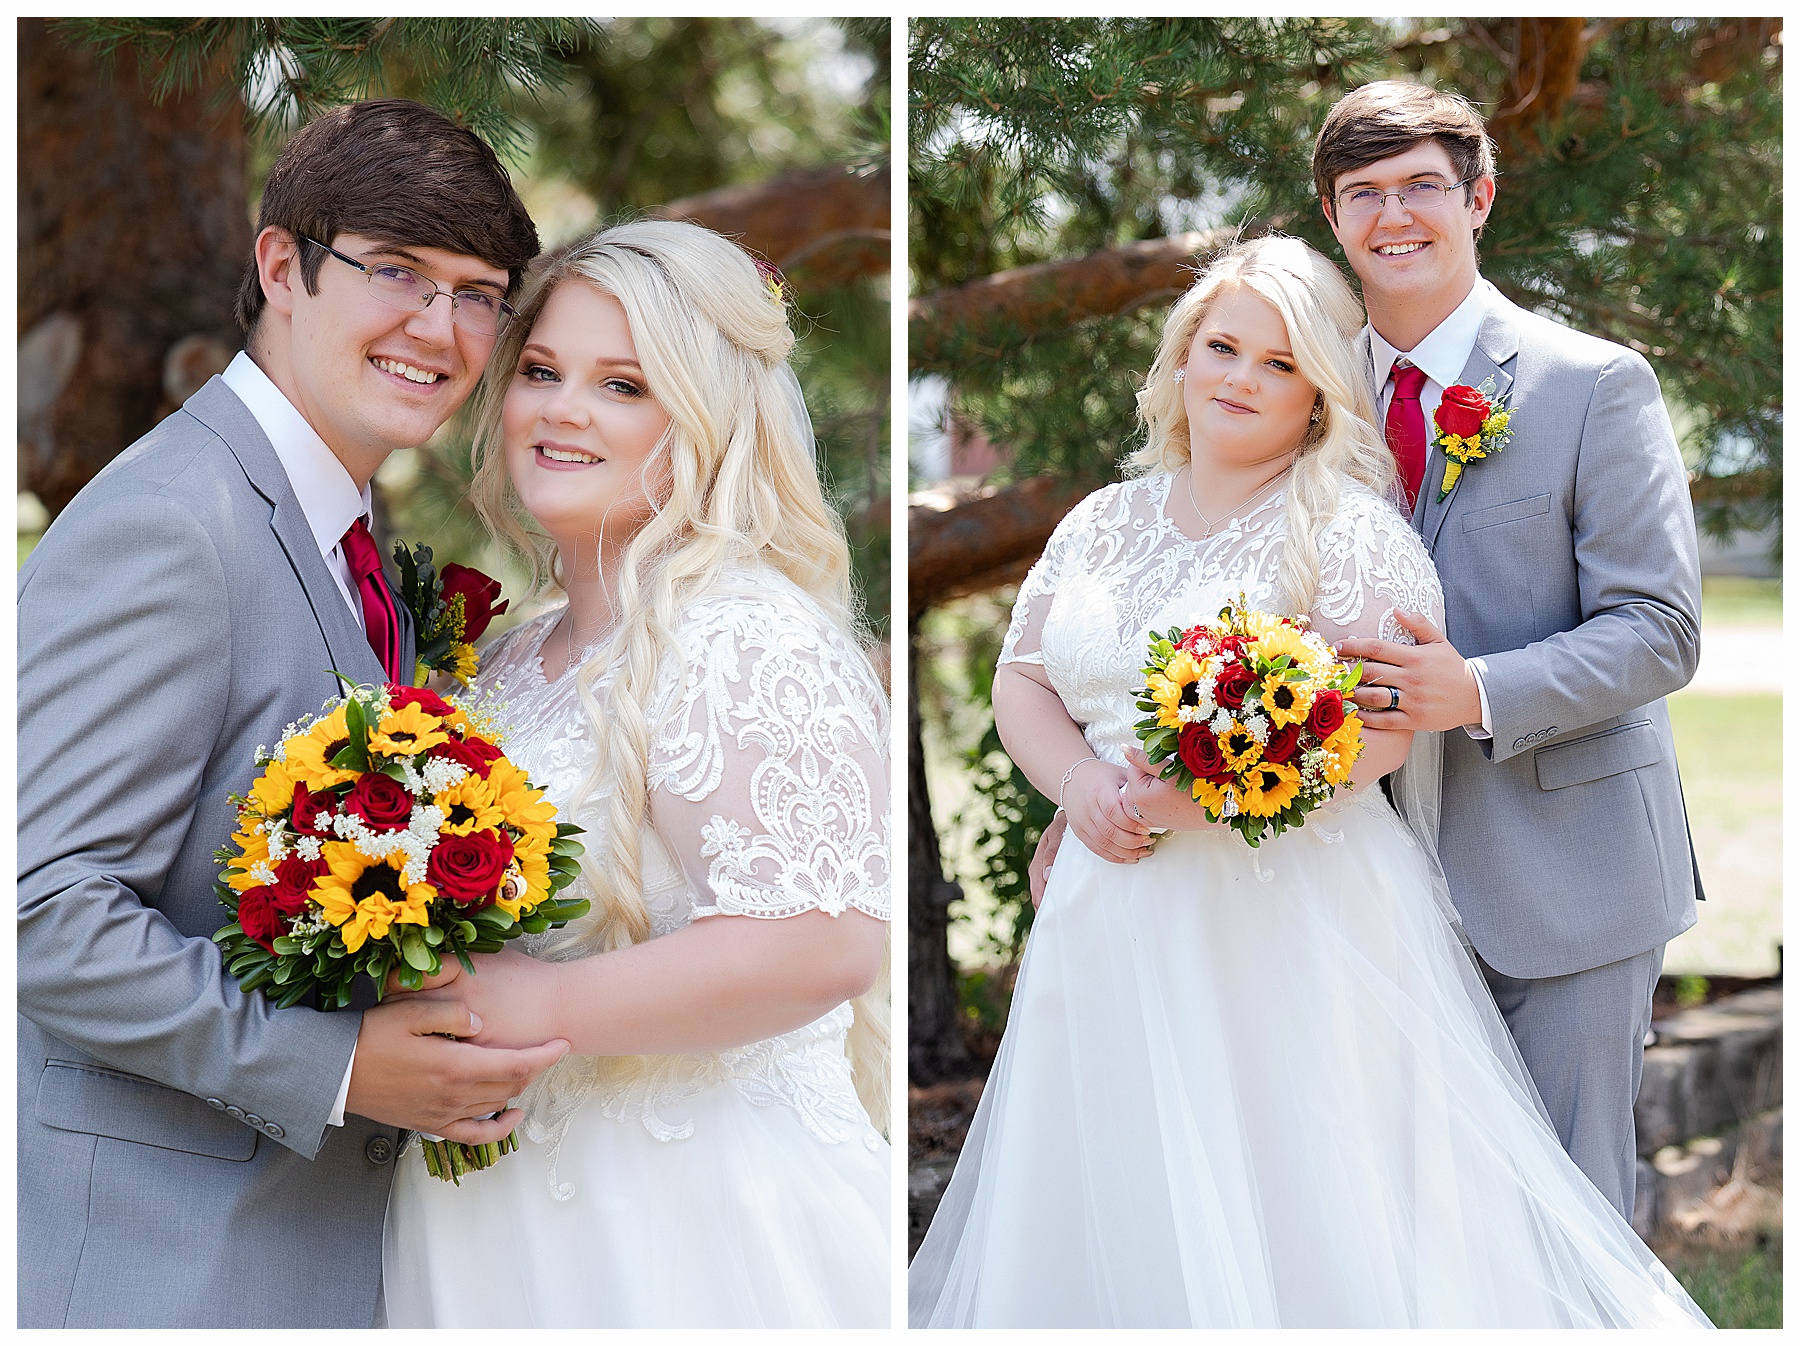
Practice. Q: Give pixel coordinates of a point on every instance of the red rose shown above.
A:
(1462, 411)
(293, 881)
(1200, 751)
(423, 697)
(307, 808)
(257, 915)
(1282, 742)
(1233, 683)
(474, 752)
(1327, 715)
(380, 801)
(468, 870)
(478, 594)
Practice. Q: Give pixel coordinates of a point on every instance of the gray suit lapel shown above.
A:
(218, 408)
(1496, 346)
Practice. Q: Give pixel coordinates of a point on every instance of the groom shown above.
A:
(1572, 602)
(188, 1155)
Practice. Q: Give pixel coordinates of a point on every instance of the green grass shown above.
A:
(1734, 600)
(1736, 1287)
(1729, 747)
(26, 542)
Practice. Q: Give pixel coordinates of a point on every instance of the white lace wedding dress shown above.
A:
(1256, 1088)
(742, 1188)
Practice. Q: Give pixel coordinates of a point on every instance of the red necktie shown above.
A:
(380, 618)
(1406, 429)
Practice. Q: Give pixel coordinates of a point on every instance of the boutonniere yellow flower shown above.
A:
(1469, 423)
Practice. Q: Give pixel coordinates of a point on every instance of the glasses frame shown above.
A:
(1381, 205)
(507, 311)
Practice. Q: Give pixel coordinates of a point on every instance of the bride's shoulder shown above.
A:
(756, 606)
(1113, 506)
(507, 648)
(1364, 516)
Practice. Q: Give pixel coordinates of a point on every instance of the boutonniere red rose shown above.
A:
(1469, 424)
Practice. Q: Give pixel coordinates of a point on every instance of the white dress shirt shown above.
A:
(1443, 354)
(329, 499)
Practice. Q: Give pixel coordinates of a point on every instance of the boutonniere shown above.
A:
(1470, 423)
(451, 610)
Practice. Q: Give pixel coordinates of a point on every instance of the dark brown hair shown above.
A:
(399, 173)
(1387, 118)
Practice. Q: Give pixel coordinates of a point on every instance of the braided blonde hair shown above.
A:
(736, 484)
(1322, 318)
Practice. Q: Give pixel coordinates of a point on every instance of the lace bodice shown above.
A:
(768, 781)
(1117, 568)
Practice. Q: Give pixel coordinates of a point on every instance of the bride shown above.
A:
(711, 1151)
(1247, 1087)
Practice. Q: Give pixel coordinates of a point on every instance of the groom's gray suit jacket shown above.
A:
(175, 1165)
(1571, 567)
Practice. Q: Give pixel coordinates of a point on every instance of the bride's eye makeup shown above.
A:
(532, 372)
(625, 388)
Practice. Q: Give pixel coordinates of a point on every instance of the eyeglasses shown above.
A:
(1362, 202)
(480, 312)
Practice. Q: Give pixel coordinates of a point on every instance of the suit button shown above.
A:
(273, 1131)
(380, 1149)
(218, 1103)
(254, 1120)
(235, 1111)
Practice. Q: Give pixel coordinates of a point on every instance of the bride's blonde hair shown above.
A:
(732, 480)
(1322, 318)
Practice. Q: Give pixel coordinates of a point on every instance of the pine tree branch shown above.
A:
(833, 221)
(957, 546)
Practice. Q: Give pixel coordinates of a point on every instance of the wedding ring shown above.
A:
(1393, 698)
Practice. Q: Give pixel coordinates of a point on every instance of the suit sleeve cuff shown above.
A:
(343, 1094)
(1485, 729)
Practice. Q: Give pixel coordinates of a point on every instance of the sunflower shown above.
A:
(255, 848)
(462, 663)
(407, 731)
(1287, 702)
(273, 791)
(365, 898)
(1213, 796)
(470, 805)
(1287, 640)
(308, 756)
(524, 807)
(1174, 687)
(1343, 748)
(1240, 747)
(1269, 787)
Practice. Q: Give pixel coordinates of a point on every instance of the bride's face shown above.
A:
(1246, 401)
(580, 424)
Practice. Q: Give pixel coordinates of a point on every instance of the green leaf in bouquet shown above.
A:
(416, 951)
(534, 924)
(287, 944)
(226, 932)
(568, 830)
(433, 935)
(411, 978)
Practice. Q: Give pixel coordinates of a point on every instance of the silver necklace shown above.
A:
(1226, 518)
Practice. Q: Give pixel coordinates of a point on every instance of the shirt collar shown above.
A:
(327, 493)
(1444, 351)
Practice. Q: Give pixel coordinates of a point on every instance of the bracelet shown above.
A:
(1091, 757)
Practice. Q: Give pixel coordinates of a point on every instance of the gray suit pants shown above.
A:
(1582, 1037)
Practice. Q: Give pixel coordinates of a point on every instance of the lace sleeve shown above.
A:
(769, 777)
(1070, 539)
(1370, 563)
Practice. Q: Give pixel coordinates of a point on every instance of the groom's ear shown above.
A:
(278, 267)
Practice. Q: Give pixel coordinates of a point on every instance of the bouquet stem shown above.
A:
(449, 1160)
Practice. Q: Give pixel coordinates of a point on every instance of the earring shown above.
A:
(1180, 374)
(1318, 414)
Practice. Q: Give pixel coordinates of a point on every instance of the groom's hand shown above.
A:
(1437, 690)
(407, 1073)
(1037, 872)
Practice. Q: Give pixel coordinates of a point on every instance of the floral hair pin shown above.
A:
(774, 282)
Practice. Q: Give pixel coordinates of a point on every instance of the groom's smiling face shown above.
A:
(371, 378)
(1418, 256)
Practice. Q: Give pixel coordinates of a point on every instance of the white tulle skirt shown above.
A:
(749, 1220)
(1269, 1089)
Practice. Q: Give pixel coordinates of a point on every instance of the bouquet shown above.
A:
(451, 611)
(380, 835)
(1252, 714)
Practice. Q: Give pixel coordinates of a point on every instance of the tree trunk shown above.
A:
(831, 224)
(133, 234)
(1055, 295)
(934, 1045)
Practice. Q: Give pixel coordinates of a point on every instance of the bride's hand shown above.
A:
(515, 996)
(1097, 812)
(1160, 803)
